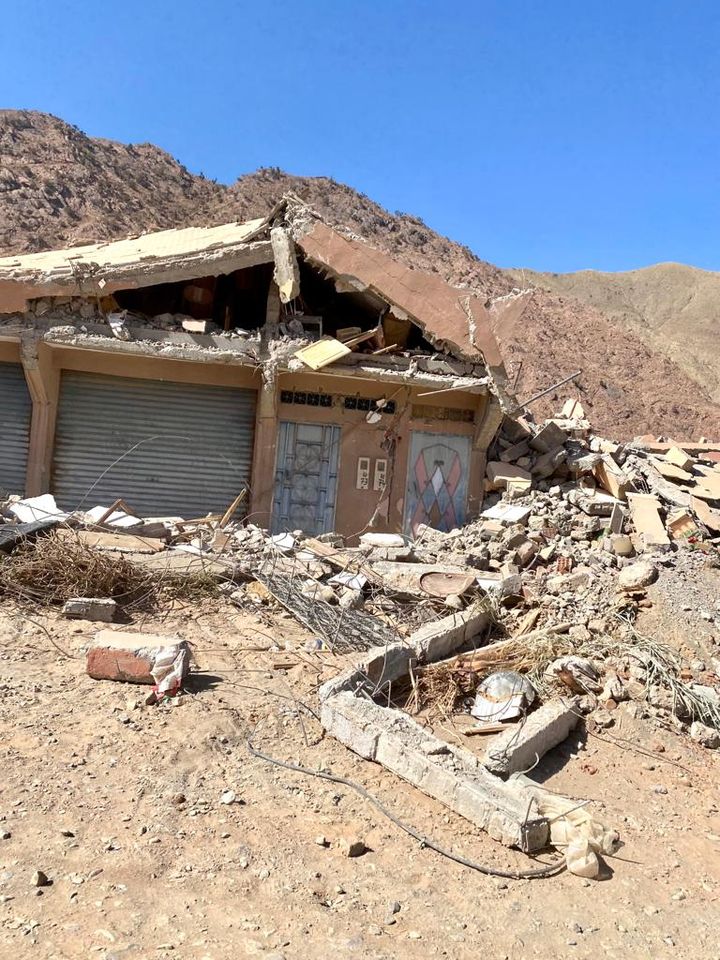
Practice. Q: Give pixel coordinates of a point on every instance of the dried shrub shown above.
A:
(52, 569)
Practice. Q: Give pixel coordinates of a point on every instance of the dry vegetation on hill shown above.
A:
(59, 186)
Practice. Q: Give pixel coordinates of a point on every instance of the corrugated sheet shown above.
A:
(15, 413)
(182, 449)
(118, 253)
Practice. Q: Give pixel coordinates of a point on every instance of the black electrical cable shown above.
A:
(550, 870)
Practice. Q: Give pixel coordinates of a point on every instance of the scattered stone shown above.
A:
(637, 575)
(706, 736)
(86, 608)
(40, 879)
(353, 848)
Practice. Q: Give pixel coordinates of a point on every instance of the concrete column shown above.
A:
(263, 468)
(43, 380)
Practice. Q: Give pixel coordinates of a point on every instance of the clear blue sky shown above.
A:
(554, 135)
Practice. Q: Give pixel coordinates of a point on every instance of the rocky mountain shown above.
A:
(58, 186)
(673, 308)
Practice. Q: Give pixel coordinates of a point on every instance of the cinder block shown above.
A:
(519, 747)
(89, 608)
(498, 474)
(438, 639)
(130, 657)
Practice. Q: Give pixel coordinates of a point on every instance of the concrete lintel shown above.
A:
(379, 666)
(447, 773)
(440, 638)
(157, 347)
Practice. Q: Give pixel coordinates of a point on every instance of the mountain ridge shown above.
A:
(58, 186)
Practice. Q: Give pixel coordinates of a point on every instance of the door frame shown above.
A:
(329, 511)
(465, 479)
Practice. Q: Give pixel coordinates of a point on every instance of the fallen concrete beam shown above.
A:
(438, 639)
(385, 664)
(449, 774)
(519, 747)
(287, 271)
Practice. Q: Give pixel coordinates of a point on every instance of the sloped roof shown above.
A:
(450, 317)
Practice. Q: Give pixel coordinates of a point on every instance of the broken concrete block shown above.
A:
(706, 515)
(549, 438)
(516, 429)
(704, 735)
(287, 272)
(87, 608)
(595, 503)
(438, 639)
(378, 667)
(678, 457)
(516, 489)
(621, 545)
(505, 513)
(637, 575)
(681, 525)
(516, 451)
(449, 774)
(572, 410)
(522, 745)
(547, 463)
(645, 513)
(578, 580)
(196, 326)
(525, 552)
(610, 476)
(499, 473)
(133, 657)
(671, 472)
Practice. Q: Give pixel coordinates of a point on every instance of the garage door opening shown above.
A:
(165, 448)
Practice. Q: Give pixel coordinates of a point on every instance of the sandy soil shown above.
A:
(121, 805)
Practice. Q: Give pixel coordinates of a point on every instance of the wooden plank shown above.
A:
(225, 519)
(322, 352)
(114, 542)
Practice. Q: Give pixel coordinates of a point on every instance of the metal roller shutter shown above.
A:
(182, 449)
(15, 413)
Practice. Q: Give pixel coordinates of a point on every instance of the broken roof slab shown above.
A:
(162, 257)
(451, 318)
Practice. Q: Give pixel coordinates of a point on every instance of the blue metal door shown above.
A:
(437, 483)
(306, 478)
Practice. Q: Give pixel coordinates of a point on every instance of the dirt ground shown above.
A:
(123, 807)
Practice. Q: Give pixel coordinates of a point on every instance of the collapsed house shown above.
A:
(340, 388)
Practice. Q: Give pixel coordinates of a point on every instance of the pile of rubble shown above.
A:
(522, 622)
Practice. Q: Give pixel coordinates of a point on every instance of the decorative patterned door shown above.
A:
(306, 478)
(437, 481)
